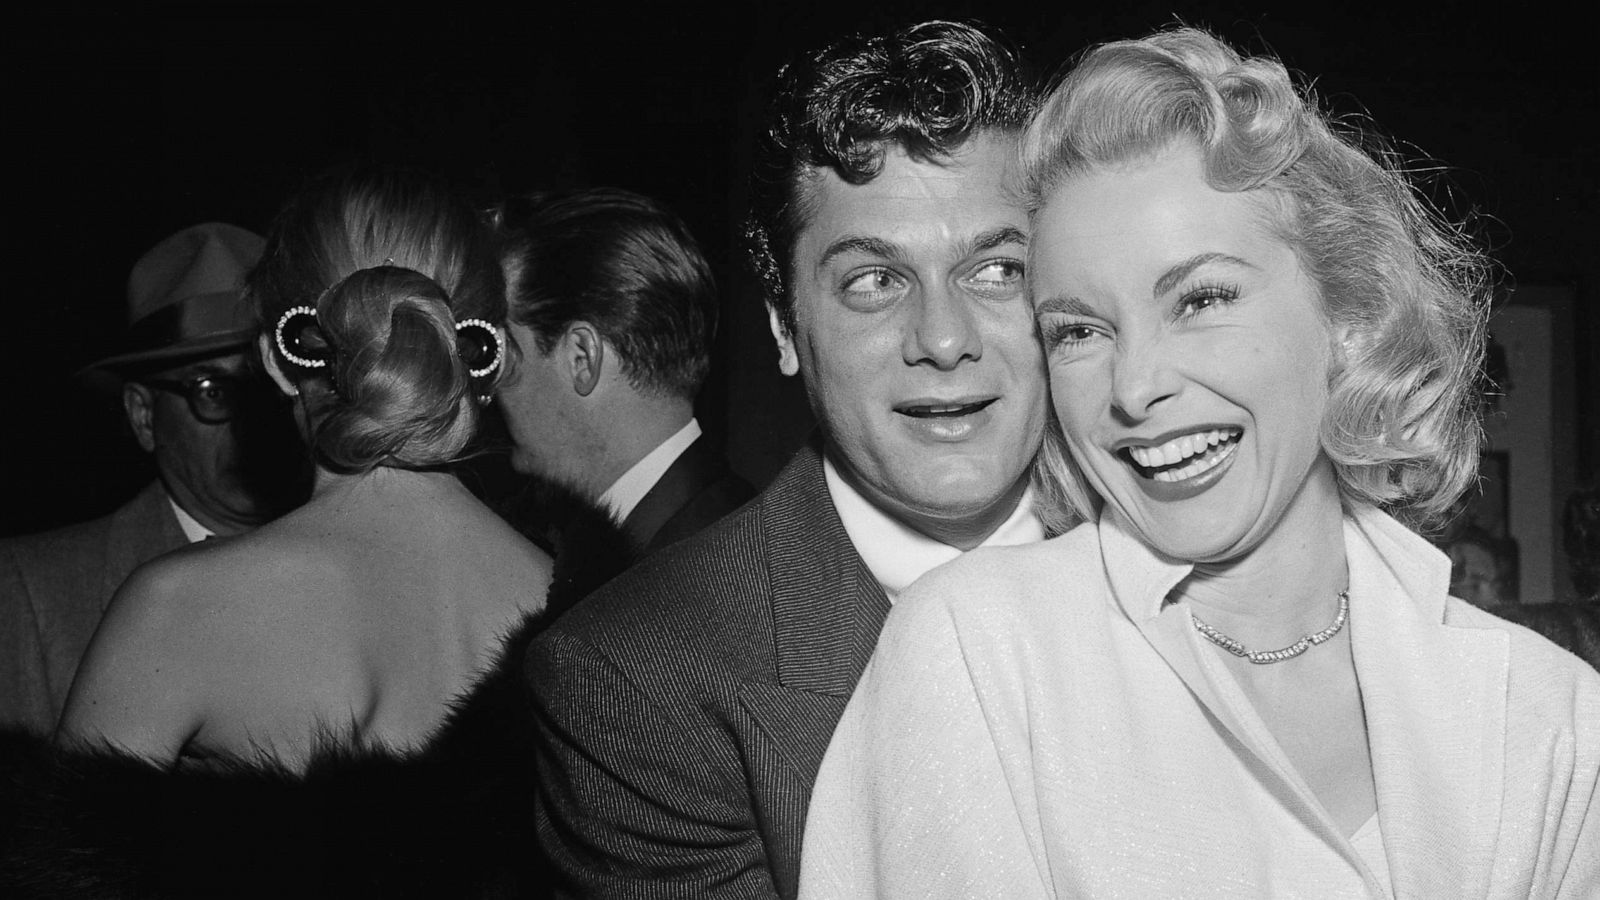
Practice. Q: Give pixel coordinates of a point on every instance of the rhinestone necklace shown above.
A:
(1263, 657)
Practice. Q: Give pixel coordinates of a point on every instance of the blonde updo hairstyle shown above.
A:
(391, 261)
(1402, 426)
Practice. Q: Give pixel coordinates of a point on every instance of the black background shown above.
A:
(124, 126)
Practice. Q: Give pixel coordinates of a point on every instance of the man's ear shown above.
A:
(788, 361)
(585, 352)
(139, 403)
(269, 361)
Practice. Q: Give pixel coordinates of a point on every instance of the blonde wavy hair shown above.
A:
(1402, 426)
(391, 259)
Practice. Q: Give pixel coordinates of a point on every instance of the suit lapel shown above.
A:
(1435, 698)
(827, 610)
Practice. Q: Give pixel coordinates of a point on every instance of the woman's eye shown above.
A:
(1202, 299)
(1067, 334)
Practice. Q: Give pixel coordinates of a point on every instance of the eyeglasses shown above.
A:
(212, 398)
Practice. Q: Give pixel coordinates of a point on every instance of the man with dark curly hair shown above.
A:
(686, 706)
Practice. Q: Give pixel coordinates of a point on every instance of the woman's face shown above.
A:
(1187, 350)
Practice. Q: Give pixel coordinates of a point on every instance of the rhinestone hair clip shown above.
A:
(486, 341)
(483, 358)
(298, 312)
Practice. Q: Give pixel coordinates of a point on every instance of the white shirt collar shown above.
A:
(192, 529)
(897, 554)
(627, 491)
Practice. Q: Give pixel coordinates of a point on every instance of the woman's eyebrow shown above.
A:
(1066, 305)
(1179, 272)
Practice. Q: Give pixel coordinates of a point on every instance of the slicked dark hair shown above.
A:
(925, 88)
(623, 263)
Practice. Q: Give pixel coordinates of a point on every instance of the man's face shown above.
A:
(202, 463)
(916, 339)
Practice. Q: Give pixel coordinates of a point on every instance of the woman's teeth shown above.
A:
(1192, 451)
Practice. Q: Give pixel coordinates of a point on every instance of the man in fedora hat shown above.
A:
(186, 388)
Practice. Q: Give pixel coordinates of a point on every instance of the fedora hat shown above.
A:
(184, 300)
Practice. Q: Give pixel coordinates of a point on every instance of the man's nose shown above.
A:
(945, 330)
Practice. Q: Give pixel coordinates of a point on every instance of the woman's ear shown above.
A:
(1345, 344)
(269, 361)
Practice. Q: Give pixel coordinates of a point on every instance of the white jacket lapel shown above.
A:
(1435, 698)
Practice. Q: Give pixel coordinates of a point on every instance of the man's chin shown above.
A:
(962, 508)
(962, 503)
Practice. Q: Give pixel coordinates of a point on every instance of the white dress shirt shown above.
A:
(897, 554)
(192, 529)
(626, 492)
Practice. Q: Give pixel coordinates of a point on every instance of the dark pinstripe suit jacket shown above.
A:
(686, 706)
(54, 587)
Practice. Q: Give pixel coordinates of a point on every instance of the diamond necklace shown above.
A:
(1263, 657)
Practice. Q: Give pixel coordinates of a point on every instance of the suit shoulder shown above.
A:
(47, 547)
(59, 564)
(695, 579)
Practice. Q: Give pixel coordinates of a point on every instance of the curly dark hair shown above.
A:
(926, 88)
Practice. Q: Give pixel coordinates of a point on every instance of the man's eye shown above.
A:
(875, 281)
(211, 389)
(873, 290)
(1001, 271)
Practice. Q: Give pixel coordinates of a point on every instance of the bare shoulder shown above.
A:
(478, 549)
(165, 600)
(197, 620)
(136, 686)
(501, 550)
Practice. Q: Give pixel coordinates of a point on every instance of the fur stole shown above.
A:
(452, 819)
